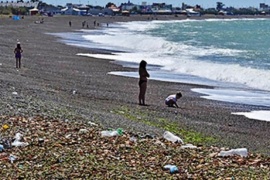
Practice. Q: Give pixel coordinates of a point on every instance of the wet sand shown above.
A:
(52, 71)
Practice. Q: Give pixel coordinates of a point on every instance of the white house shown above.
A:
(71, 10)
(191, 12)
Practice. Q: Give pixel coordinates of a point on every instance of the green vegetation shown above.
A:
(188, 135)
(13, 10)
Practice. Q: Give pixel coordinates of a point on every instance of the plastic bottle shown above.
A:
(18, 144)
(173, 169)
(240, 151)
(117, 132)
(171, 137)
(12, 158)
(18, 137)
(188, 146)
(1, 148)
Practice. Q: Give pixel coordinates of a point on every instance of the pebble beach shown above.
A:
(56, 84)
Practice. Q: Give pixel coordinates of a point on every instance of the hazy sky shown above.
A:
(203, 3)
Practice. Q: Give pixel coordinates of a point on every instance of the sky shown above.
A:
(175, 3)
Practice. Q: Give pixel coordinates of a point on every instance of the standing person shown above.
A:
(69, 23)
(143, 81)
(18, 55)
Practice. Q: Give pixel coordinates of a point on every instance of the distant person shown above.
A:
(171, 99)
(83, 24)
(142, 81)
(69, 23)
(18, 55)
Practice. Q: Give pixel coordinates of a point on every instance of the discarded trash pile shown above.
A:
(43, 148)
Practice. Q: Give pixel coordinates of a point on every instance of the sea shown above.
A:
(232, 55)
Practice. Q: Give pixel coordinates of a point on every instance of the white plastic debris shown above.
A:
(239, 151)
(12, 158)
(14, 93)
(68, 136)
(117, 132)
(173, 169)
(109, 133)
(83, 131)
(18, 137)
(133, 139)
(92, 124)
(188, 146)
(173, 138)
(1, 148)
(18, 144)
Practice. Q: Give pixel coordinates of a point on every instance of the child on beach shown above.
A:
(18, 55)
(171, 99)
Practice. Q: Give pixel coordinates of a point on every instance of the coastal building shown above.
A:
(145, 9)
(191, 12)
(49, 10)
(102, 12)
(33, 11)
(127, 6)
(114, 10)
(71, 9)
(161, 8)
(81, 10)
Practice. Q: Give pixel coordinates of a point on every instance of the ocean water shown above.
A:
(233, 55)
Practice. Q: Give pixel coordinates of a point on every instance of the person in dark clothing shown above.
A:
(143, 81)
(18, 55)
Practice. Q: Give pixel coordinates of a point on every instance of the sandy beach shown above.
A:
(51, 71)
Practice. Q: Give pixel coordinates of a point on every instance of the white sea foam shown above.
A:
(259, 115)
(179, 57)
(259, 98)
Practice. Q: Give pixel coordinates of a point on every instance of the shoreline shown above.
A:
(52, 70)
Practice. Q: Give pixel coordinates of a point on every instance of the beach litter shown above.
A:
(14, 93)
(74, 92)
(17, 141)
(239, 151)
(12, 158)
(18, 144)
(57, 150)
(173, 169)
(92, 124)
(188, 146)
(1, 148)
(18, 137)
(111, 133)
(133, 139)
(5, 127)
(173, 138)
